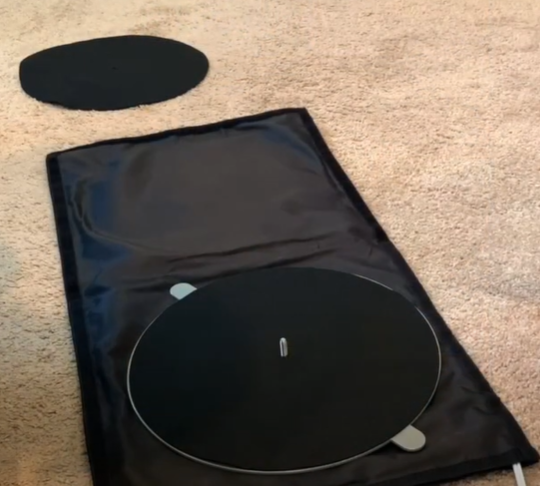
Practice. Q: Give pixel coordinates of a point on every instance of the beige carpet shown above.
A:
(432, 106)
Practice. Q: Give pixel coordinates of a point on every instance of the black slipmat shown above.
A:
(210, 379)
(112, 73)
(138, 215)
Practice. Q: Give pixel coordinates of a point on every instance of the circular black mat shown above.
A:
(284, 370)
(113, 73)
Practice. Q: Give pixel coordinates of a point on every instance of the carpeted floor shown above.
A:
(432, 106)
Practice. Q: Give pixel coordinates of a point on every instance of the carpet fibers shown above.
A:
(432, 107)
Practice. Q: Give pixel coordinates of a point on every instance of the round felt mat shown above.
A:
(113, 73)
(284, 370)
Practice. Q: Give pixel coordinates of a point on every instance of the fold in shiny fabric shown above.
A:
(136, 216)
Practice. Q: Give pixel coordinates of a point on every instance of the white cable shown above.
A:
(520, 477)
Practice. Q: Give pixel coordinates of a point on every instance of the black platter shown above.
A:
(284, 370)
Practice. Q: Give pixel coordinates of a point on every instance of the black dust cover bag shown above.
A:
(136, 216)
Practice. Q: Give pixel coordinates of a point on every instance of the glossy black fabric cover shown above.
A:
(136, 216)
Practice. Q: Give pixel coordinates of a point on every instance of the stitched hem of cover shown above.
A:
(92, 419)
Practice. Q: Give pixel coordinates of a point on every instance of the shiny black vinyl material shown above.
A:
(135, 216)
